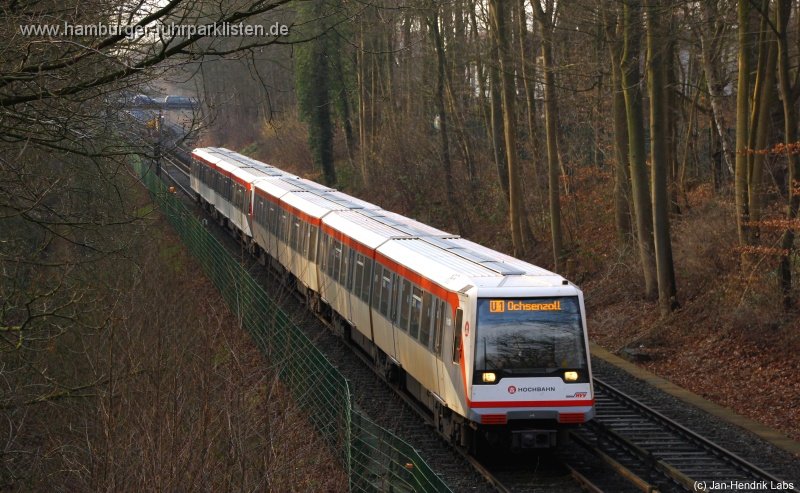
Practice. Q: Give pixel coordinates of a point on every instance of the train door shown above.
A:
(438, 329)
(393, 312)
(450, 377)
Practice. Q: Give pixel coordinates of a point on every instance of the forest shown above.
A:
(647, 150)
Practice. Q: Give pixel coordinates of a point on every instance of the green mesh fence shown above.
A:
(375, 459)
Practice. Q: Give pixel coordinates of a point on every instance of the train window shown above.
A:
(312, 244)
(282, 226)
(344, 273)
(457, 336)
(294, 233)
(377, 275)
(427, 316)
(386, 291)
(304, 238)
(438, 326)
(404, 304)
(394, 301)
(238, 197)
(365, 279)
(358, 275)
(336, 261)
(329, 261)
(416, 311)
(326, 253)
(323, 252)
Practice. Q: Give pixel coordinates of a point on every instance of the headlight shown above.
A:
(489, 377)
(570, 376)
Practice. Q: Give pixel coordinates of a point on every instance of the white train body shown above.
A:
(495, 347)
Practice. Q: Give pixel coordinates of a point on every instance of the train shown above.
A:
(494, 347)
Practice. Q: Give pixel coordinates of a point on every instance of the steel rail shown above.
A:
(711, 462)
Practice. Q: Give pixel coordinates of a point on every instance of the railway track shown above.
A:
(628, 447)
(656, 453)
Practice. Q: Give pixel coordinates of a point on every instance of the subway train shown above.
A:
(495, 348)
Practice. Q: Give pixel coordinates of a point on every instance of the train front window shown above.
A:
(529, 336)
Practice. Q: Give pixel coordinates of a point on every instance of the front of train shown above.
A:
(530, 376)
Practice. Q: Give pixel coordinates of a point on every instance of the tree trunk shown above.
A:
(499, 16)
(636, 145)
(442, 110)
(551, 131)
(658, 155)
(783, 9)
(764, 97)
(742, 108)
(709, 54)
(362, 104)
(498, 146)
(622, 206)
(528, 77)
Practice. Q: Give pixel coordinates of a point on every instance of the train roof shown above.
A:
(412, 226)
(350, 201)
(246, 169)
(361, 228)
(453, 262)
(305, 184)
(277, 187)
(494, 260)
(310, 203)
(241, 159)
(456, 263)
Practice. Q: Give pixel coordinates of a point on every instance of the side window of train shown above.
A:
(337, 260)
(457, 336)
(397, 287)
(438, 325)
(365, 279)
(275, 219)
(404, 304)
(329, 261)
(323, 252)
(416, 312)
(312, 243)
(344, 274)
(294, 233)
(358, 275)
(353, 281)
(377, 277)
(427, 318)
(307, 227)
(386, 292)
